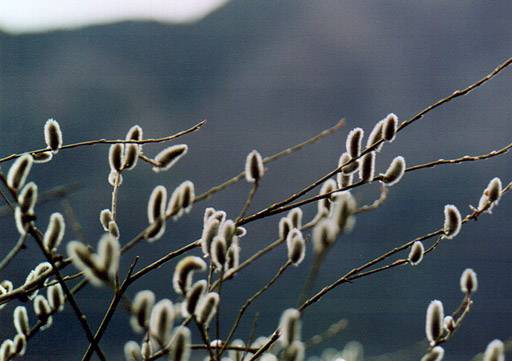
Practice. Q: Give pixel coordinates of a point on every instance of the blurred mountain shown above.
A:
(268, 74)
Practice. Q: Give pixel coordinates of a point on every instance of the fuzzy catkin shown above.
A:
(194, 294)
(290, 327)
(416, 254)
(27, 198)
(169, 157)
(109, 254)
(295, 216)
(116, 157)
(395, 171)
(296, 247)
(21, 321)
(161, 321)
(53, 135)
(180, 348)
(495, 351)
(207, 308)
(390, 127)
(353, 143)
(324, 235)
(218, 252)
(367, 167)
(18, 172)
(182, 278)
(56, 297)
(376, 135)
(468, 281)
(452, 221)
(254, 168)
(54, 233)
(140, 309)
(434, 321)
(210, 230)
(156, 203)
(132, 351)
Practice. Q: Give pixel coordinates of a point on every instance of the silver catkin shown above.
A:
(161, 321)
(436, 354)
(452, 221)
(342, 211)
(290, 327)
(53, 135)
(296, 247)
(7, 350)
(468, 281)
(132, 351)
(155, 231)
(449, 324)
(140, 309)
(347, 169)
(295, 351)
(295, 216)
(54, 233)
(116, 157)
(183, 273)
(395, 171)
(27, 198)
(18, 172)
(285, 226)
(491, 195)
(344, 179)
(376, 135)
(42, 157)
(43, 311)
(21, 321)
(254, 168)
(324, 204)
(353, 143)
(228, 231)
(207, 308)
(324, 235)
(131, 155)
(169, 157)
(416, 253)
(109, 254)
(20, 344)
(21, 221)
(115, 179)
(210, 230)
(367, 167)
(194, 294)
(390, 127)
(434, 321)
(181, 345)
(113, 229)
(233, 256)
(495, 351)
(56, 297)
(218, 252)
(156, 204)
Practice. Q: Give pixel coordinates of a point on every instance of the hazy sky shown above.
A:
(42, 15)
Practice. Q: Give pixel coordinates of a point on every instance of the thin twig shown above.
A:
(20, 244)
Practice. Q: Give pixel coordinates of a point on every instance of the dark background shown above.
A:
(268, 74)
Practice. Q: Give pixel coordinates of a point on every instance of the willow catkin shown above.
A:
(353, 143)
(416, 253)
(491, 195)
(367, 167)
(140, 310)
(285, 226)
(324, 204)
(295, 351)
(116, 157)
(18, 172)
(452, 221)
(468, 281)
(56, 298)
(295, 216)
(228, 231)
(324, 235)
(183, 273)
(169, 157)
(131, 155)
(376, 135)
(194, 294)
(342, 211)
(390, 127)
(42, 157)
(233, 256)
(290, 327)
(155, 230)
(31, 277)
(161, 321)
(434, 321)
(210, 230)
(53, 135)
(254, 168)
(21, 321)
(27, 198)
(82, 258)
(115, 179)
(495, 351)
(346, 164)
(395, 171)
(134, 133)
(109, 254)
(237, 355)
(436, 354)
(180, 347)
(54, 233)
(113, 229)
(156, 203)
(342, 178)
(132, 351)
(43, 311)
(449, 324)
(207, 308)
(7, 350)
(296, 247)
(20, 344)
(181, 200)
(218, 252)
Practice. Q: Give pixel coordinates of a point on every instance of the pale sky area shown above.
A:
(25, 16)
